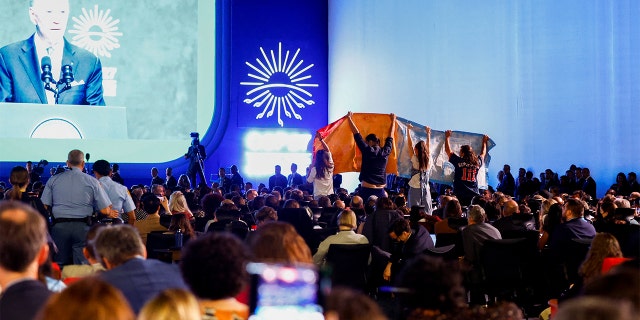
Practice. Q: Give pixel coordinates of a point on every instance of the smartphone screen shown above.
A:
(284, 292)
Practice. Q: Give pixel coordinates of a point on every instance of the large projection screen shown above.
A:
(158, 59)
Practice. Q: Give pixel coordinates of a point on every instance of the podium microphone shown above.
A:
(67, 75)
(46, 76)
(87, 156)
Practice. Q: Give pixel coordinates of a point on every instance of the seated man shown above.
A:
(476, 233)
(24, 248)
(574, 227)
(94, 266)
(409, 243)
(151, 205)
(347, 222)
(514, 221)
(122, 253)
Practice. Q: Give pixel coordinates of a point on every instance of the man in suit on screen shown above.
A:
(22, 78)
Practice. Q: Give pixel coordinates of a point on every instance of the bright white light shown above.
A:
(276, 141)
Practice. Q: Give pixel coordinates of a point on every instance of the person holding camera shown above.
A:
(196, 155)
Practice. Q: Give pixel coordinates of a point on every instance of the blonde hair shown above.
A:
(347, 218)
(171, 304)
(178, 203)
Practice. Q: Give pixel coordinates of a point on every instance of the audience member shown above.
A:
(278, 242)
(595, 308)
(604, 245)
(23, 248)
(155, 178)
(94, 266)
(265, 215)
(150, 204)
(19, 179)
(159, 191)
(474, 235)
(453, 220)
(171, 304)
(550, 222)
(409, 243)
(214, 268)
(178, 204)
(278, 179)
(574, 227)
(87, 299)
(180, 222)
(513, 220)
(348, 304)
(294, 179)
(123, 254)
(170, 180)
(347, 222)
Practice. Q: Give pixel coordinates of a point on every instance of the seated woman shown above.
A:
(180, 222)
(278, 242)
(604, 245)
(551, 220)
(347, 222)
(213, 266)
(453, 221)
(178, 204)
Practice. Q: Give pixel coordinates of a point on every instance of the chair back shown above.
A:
(236, 227)
(446, 239)
(349, 265)
(329, 216)
(502, 261)
(447, 252)
(299, 218)
(159, 244)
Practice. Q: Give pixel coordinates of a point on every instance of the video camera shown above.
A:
(39, 168)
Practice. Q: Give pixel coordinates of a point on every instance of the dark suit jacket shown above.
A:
(20, 75)
(140, 280)
(417, 243)
(589, 187)
(23, 300)
(376, 228)
(577, 228)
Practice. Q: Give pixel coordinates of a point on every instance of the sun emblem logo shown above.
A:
(95, 30)
(280, 85)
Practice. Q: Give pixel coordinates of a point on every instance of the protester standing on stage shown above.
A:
(465, 183)
(419, 191)
(374, 159)
(321, 173)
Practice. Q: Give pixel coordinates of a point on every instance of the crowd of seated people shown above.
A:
(288, 225)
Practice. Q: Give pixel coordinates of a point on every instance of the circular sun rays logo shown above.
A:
(279, 86)
(95, 30)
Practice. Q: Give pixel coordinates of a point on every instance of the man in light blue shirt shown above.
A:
(73, 196)
(119, 195)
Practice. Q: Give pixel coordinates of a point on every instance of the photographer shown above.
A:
(196, 155)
